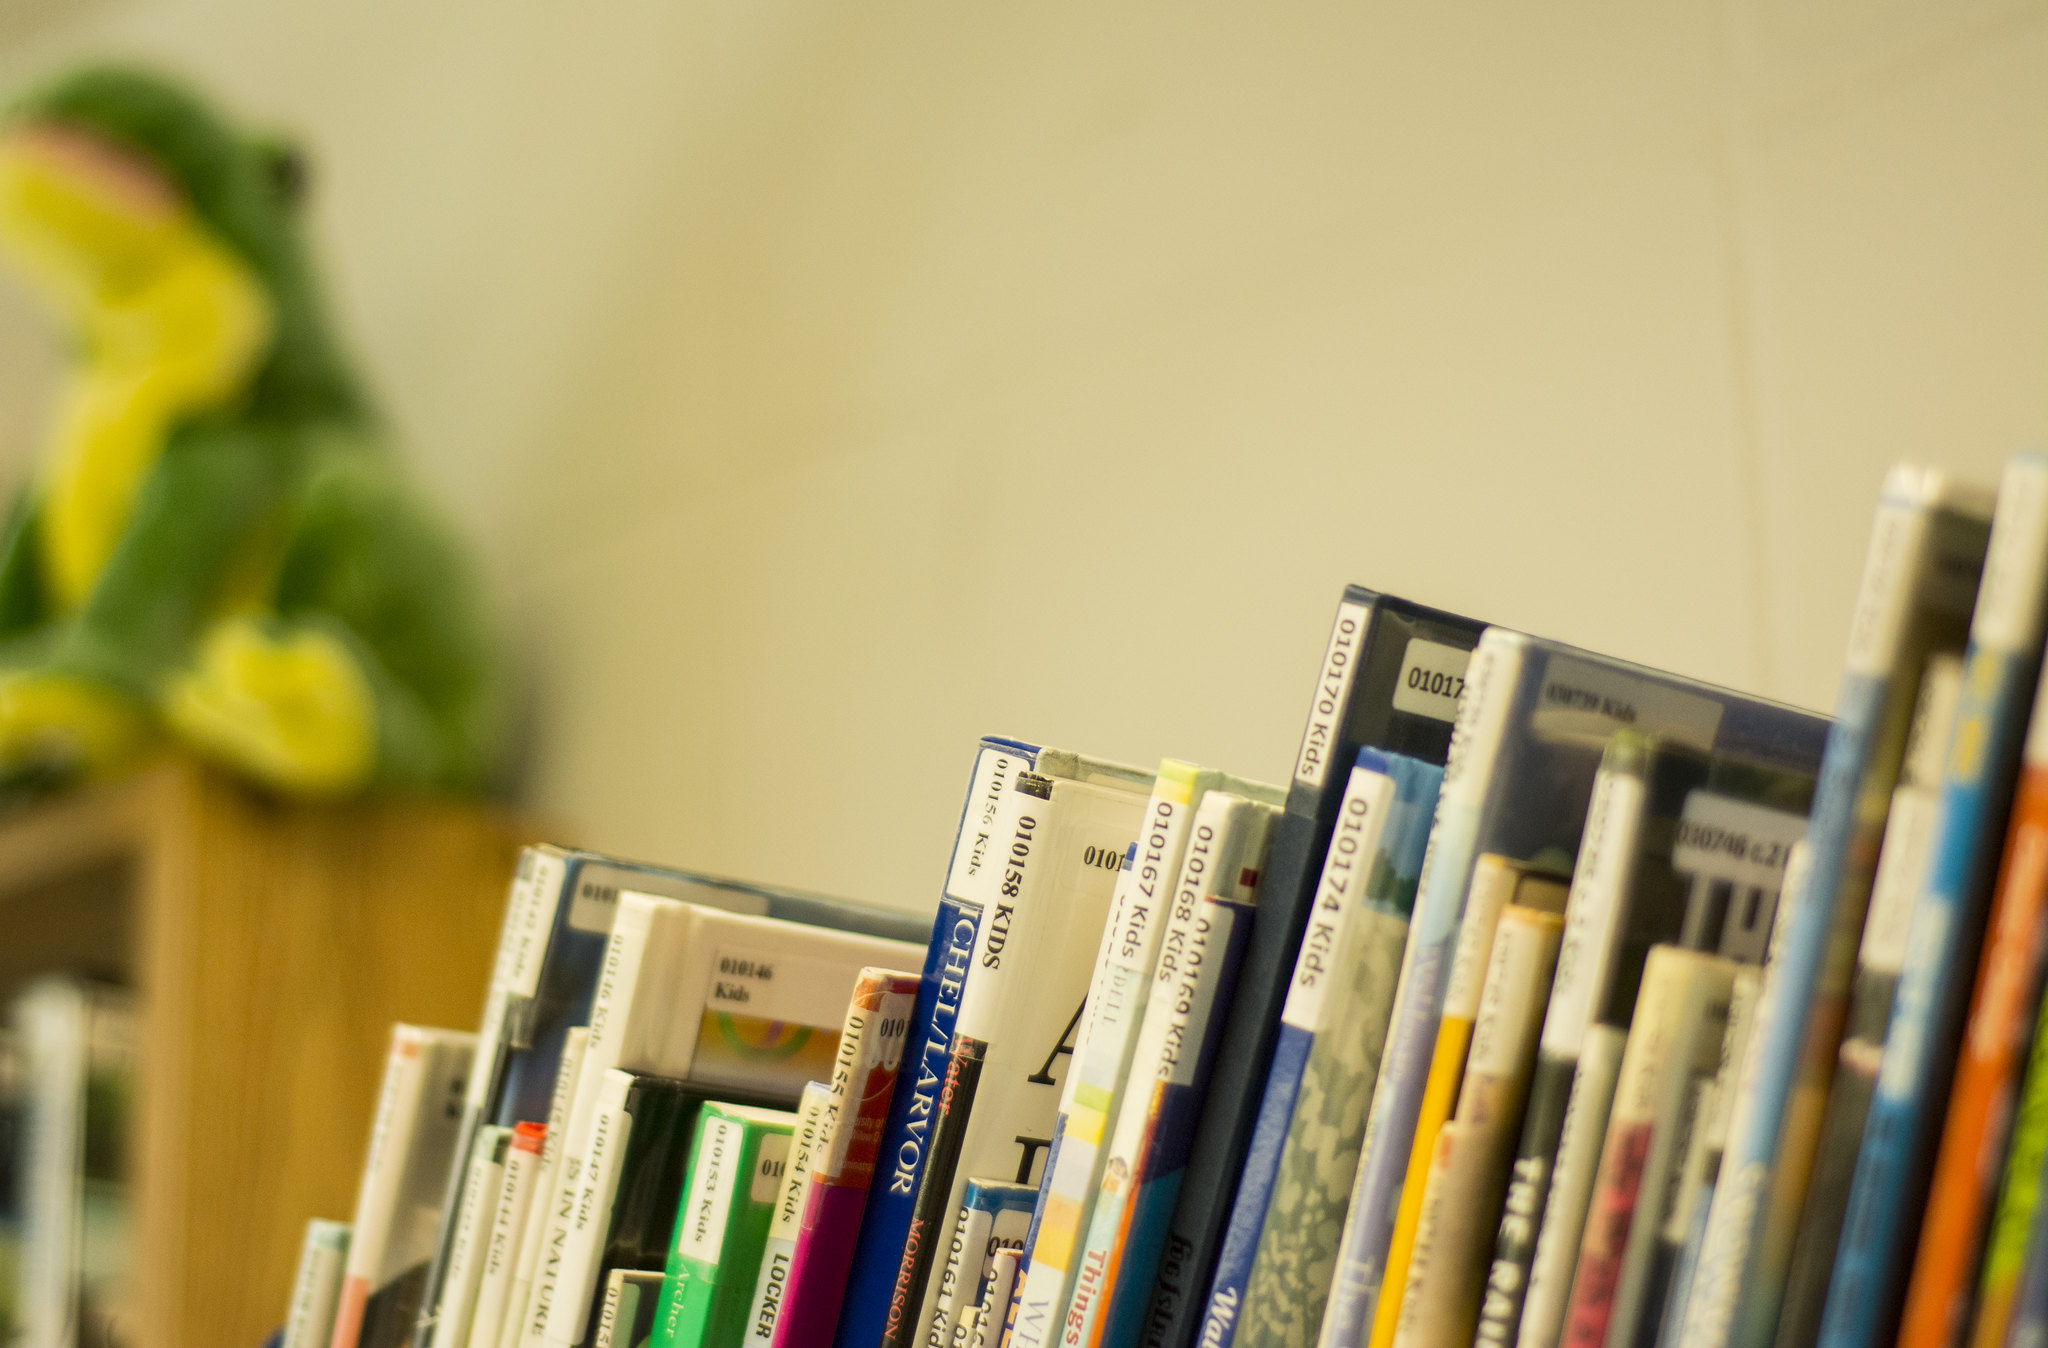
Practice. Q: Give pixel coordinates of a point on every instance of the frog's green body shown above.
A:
(217, 543)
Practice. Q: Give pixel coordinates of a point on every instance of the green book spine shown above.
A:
(736, 1164)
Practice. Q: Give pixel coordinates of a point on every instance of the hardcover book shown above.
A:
(481, 1190)
(1674, 1046)
(508, 1224)
(2010, 979)
(1532, 725)
(771, 1283)
(419, 1109)
(1678, 1244)
(1390, 678)
(1117, 996)
(1896, 1160)
(634, 1168)
(1919, 584)
(513, 1320)
(724, 1001)
(1497, 884)
(1678, 846)
(871, 1049)
(1901, 871)
(1208, 926)
(971, 878)
(735, 1175)
(1063, 841)
(557, 920)
(1474, 1151)
(1279, 1259)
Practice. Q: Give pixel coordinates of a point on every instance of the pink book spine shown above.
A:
(863, 1080)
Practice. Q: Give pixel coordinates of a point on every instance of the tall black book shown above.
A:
(1389, 680)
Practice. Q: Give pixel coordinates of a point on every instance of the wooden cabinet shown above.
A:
(273, 945)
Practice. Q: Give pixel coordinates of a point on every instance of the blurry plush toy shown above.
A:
(216, 543)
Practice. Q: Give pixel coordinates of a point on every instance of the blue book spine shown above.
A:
(1173, 1135)
(1255, 1188)
(1726, 1302)
(892, 1197)
(1893, 1165)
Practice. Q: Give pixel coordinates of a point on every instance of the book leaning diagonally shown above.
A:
(410, 1141)
(1896, 1159)
(316, 1287)
(526, 1250)
(1919, 583)
(1117, 996)
(1207, 926)
(1020, 1011)
(508, 1224)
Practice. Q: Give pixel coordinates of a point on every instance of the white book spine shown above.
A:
(481, 1187)
(1571, 1185)
(1027, 1005)
(639, 936)
(806, 1147)
(567, 1282)
(316, 1289)
(519, 1303)
(508, 1224)
(383, 1172)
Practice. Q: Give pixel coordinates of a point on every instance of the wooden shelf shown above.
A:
(273, 946)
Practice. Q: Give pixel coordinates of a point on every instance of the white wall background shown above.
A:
(830, 382)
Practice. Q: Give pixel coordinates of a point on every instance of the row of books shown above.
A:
(1553, 1000)
(67, 1083)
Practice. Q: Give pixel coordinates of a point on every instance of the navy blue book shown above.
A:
(1389, 680)
(892, 1194)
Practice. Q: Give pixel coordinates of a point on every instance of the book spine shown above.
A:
(887, 1214)
(1732, 1281)
(1032, 1011)
(566, 1283)
(1592, 920)
(1573, 1179)
(529, 916)
(508, 1223)
(1881, 955)
(1228, 1115)
(1026, 824)
(864, 1076)
(398, 1100)
(519, 1304)
(770, 1284)
(1338, 909)
(1390, 1131)
(718, 1173)
(1492, 883)
(635, 933)
(1102, 1049)
(1002, 1282)
(316, 1287)
(480, 1194)
(1208, 927)
(2009, 984)
(1682, 991)
(1687, 1227)
(1892, 1166)
(2029, 1309)
(1469, 1171)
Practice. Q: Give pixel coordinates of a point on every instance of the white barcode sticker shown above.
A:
(1432, 679)
(702, 1224)
(1333, 687)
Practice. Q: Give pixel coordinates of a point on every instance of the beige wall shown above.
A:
(828, 383)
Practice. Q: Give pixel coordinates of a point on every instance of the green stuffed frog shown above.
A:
(216, 543)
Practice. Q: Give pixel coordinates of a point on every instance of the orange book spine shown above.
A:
(1973, 1138)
